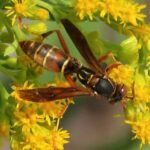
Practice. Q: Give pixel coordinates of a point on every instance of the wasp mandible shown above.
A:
(93, 78)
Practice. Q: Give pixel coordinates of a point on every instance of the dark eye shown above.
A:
(119, 94)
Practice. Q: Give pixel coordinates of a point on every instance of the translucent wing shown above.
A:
(52, 93)
(82, 45)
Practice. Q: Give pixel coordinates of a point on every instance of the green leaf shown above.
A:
(129, 52)
(101, 47)
(11, 48)
(4, 94)
(3, 3)
(17, 75)
(3, 46)
(9, 62)
(20, 35)
(3, 100)
(1, 26)
(5, 37)
(7, 23)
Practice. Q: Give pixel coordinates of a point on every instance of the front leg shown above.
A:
(70, 80)
(103, 58)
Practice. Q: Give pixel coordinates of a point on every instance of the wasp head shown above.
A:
(119, 93)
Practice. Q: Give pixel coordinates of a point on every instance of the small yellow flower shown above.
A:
(123, 74)
(142, 32)
(131, 13)
(141, 128)
(142, 93)
(40, 13)
(37, 28)
(55, 109)
(20, 9)
(36, 142)
(109, 7)
(28, 118)
(57, 138)
(86, 8)
(122, 11)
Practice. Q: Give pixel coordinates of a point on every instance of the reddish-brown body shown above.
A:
(94, 78)
(50, 57)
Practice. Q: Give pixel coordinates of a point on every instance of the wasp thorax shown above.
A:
(104, 87)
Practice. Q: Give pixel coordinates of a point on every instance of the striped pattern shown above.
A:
(46, 55)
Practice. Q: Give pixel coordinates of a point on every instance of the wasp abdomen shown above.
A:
(46, 55)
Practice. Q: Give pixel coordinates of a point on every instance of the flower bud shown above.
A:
(37, 28)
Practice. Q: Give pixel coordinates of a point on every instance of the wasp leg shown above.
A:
(60, 37)
(72, 83)
(114, 65)
(70, 80)
(107, 56)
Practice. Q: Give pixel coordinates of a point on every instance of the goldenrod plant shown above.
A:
(36, 126)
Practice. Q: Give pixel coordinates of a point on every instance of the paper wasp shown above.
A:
(94, 79)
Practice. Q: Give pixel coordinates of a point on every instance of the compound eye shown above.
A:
(123, 90)
(119, 94)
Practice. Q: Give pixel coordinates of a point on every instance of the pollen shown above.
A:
(86, 8)
(142, 93)
(27, 9)
(141, 128)
(142, 32)
(42, 14)
(37, 28)
(19, 8)
(122, 11)
(57, 138)
(123, 74)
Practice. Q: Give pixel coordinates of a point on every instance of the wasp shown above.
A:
(94, 79)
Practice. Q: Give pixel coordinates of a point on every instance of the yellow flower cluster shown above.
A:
(142, 93)
(140, 126)
(123, 74)
(136, 108)
(142, 33)
(27, 9)
(120, 10)
(38, 123)
(37, 28)
(137, 112)
(86, 7)
(54, 139)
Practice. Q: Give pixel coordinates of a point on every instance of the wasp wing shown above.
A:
(52, 93)
(82, 45)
